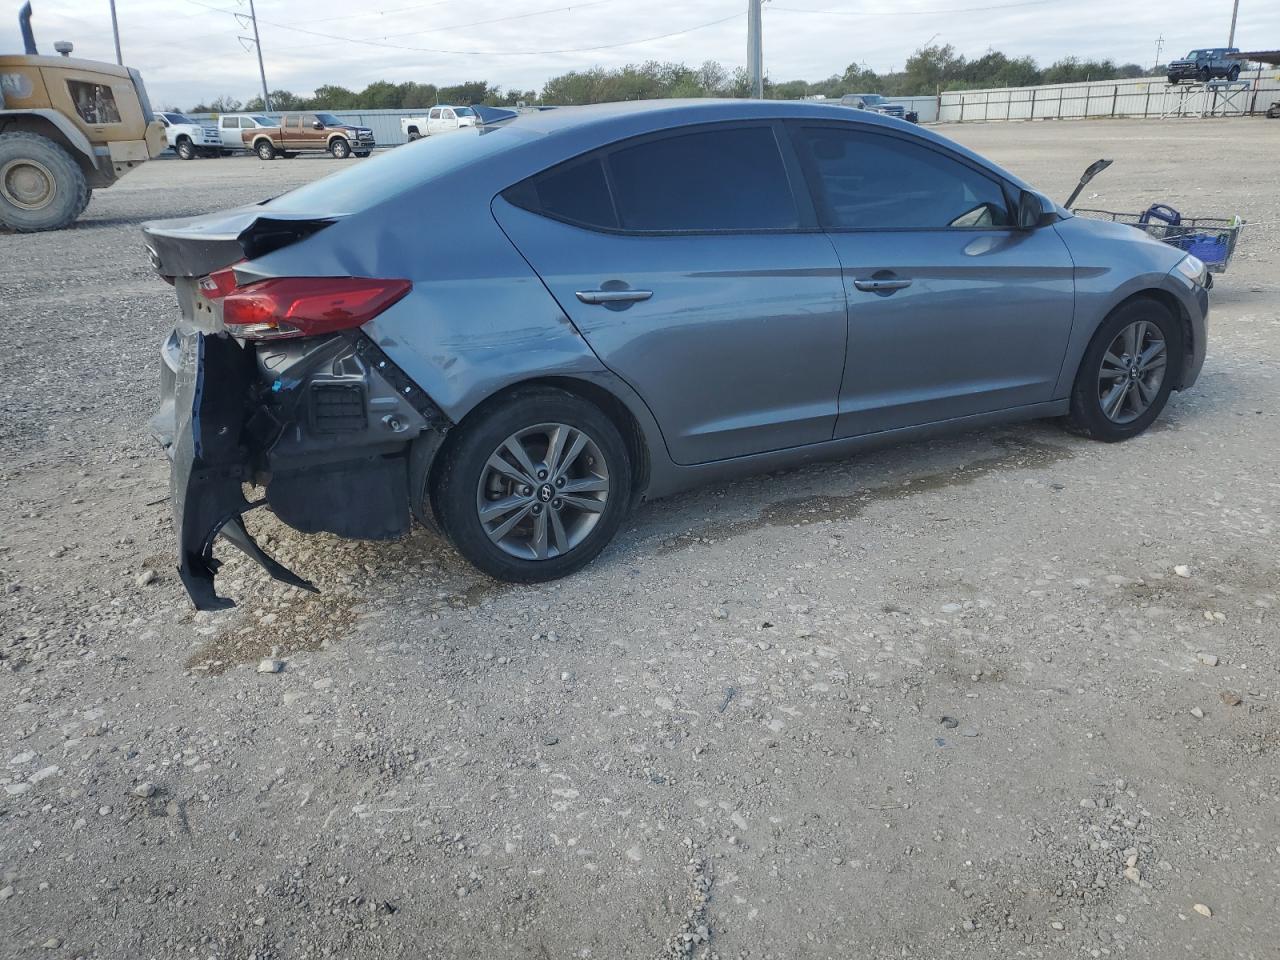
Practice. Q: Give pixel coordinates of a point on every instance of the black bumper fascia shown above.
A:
(210, 464)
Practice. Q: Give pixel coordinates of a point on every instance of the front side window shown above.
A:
(725, 179)
(868, 181)
(94, 102)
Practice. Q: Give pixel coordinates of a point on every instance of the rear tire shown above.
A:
(566, 507)
(41, 185)
(339, 148)
(265, 150)
(185, 149)
(1127, 373)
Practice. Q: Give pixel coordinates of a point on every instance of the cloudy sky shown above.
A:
(188, 50)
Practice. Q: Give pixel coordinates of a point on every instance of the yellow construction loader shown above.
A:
(67, 126)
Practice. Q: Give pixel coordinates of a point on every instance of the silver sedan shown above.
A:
(518, 332)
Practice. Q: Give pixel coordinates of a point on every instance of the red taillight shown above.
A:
(219, 283)
(306, 306)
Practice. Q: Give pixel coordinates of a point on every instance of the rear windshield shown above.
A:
(382, 177)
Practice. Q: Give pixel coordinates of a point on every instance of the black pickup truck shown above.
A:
(1211, 63)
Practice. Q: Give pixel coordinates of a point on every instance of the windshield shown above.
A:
(178, 118)
(329, 120)
(464, 111)
(261, 121)
(1196, 54)
(873, 98)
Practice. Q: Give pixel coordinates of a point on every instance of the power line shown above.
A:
(913, 13)
(373, 42)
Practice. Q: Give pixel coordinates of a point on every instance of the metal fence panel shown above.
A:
(1139, 97)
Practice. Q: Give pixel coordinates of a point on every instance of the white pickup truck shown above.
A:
(191, 138)
(439, 119)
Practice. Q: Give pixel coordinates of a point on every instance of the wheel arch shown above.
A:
(1179, 312)
(53, 126)
(426, 457)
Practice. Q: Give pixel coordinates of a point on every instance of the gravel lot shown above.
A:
(1011, 694)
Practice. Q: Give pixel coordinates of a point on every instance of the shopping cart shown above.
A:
(1211, 239)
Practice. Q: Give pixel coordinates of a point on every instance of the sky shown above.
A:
(188, 50)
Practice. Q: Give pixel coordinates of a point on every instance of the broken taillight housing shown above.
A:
(303, 306)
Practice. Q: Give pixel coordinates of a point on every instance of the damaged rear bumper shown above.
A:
(326, 425)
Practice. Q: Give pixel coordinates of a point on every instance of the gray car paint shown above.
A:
(480, 319)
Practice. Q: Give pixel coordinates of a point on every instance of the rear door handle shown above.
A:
(613, 296)
(881, 286)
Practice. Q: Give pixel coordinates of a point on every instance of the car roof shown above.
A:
(495, 156)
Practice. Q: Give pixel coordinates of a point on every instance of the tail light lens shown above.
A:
(305, 306)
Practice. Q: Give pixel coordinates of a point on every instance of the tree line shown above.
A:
(927, 72)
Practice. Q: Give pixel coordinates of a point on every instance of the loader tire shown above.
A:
(41, 185)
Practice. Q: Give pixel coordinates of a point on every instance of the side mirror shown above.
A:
(1031, 211)
(317, 125)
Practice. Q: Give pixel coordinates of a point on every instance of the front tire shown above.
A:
(1127, 373)
(265, 150)
(41, 186)
(185, 149)
(340, 148)
(1233, 74)
(534, 487)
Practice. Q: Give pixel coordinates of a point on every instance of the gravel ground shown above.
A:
(1009, 694)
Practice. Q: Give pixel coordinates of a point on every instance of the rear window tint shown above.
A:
(575, 191)
(730, 179)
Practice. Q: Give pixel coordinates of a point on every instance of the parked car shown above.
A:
(632, 299)
(298, 132)
(1211, 63)
(439, 119)
(230, 126)
(875, 103)
(1273, 111)
(190, 138)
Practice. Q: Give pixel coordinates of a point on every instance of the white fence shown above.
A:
(1141, 97)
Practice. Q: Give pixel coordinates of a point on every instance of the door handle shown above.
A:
(881, 286)
(613, 296)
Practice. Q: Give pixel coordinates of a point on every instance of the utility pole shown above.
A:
(257, 44)
(1235, 8)
(1159, 47)
(115, 31)
(755, 52)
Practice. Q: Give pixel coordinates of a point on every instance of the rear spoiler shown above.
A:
(491, 116)
(196, 246)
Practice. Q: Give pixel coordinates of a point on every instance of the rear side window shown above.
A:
(575, 191)
(868, 181)
(712, 180)
(730, 179)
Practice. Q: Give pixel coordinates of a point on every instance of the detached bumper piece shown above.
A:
(212, 390)
(325, 423)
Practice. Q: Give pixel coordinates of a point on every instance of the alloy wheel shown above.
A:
(1132, 371)
(542, 491)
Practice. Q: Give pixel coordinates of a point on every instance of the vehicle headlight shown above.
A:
(1193, 269)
